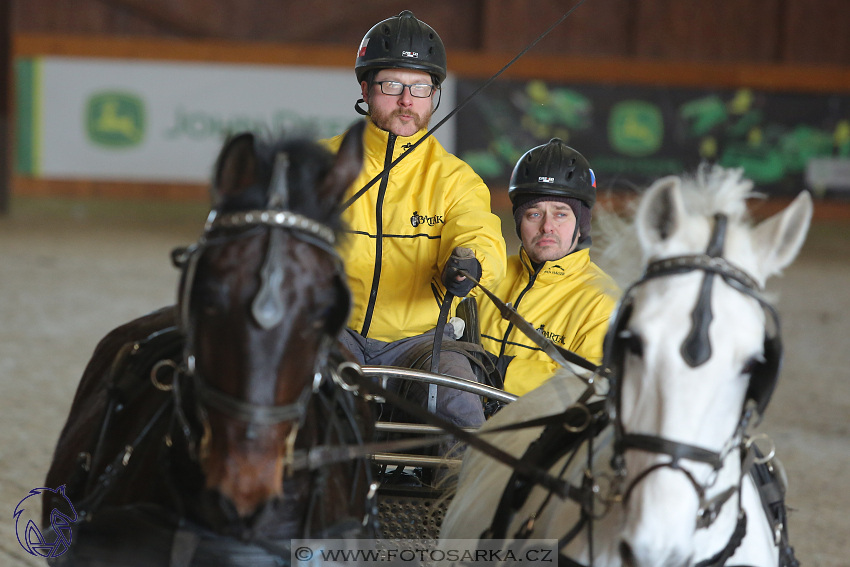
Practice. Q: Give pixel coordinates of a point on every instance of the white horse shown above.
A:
(682, 385)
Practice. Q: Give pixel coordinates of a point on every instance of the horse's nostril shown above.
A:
(626, 555)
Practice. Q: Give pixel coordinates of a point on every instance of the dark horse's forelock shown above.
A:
(309, 163)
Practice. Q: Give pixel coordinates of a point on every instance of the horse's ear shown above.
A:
(661, 212)
(346, 168)
(777, 240)
(235, 168)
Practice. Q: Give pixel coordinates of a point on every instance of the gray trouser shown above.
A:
(461, 408)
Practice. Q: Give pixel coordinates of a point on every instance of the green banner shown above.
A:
(27, 96)
(632, 135)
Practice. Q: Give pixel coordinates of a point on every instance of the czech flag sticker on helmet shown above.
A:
(592, 178)
(362, 51)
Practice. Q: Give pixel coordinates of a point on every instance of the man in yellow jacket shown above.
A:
(551, 282)
(425, 217)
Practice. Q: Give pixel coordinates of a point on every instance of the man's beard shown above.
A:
(384, 121)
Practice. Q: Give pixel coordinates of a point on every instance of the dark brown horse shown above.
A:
(181, 442)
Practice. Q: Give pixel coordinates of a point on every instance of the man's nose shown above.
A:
(405, 98)
(548, 224)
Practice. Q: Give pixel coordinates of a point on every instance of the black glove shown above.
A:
(461, 259)
(502, 365)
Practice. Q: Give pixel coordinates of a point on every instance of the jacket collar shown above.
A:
(375, 142)
(554, 271)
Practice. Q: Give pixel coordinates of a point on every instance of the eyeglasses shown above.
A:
(394, 88)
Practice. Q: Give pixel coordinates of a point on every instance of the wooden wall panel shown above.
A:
(708, 30)
(745, 31)
(82, 17)
(597, 27)
(817, 31)
(291, 21)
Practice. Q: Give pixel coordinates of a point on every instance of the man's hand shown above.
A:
(461, 259)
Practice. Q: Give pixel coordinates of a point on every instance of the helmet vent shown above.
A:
(431, 50)
(387, 30)
(572, 162)
(386, 45)
(431, 36)
(526, 172)
(570, 174)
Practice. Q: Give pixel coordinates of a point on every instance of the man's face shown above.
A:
(404, 114)
(546, 230)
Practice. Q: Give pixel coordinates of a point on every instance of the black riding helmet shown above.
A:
(557, 171)
(402, 42)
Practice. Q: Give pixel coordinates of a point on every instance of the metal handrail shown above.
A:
(382, 372)
(413, 460)
(412, 428)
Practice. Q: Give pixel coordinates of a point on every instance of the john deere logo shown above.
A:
(635, 128)
(115, 119)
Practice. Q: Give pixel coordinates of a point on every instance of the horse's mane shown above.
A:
(711, 189)
(714, 189)
(309, 163)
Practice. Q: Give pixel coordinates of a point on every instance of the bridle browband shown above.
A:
(696, 350)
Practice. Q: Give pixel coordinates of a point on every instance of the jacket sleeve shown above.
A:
(590, 340)
(470, 223)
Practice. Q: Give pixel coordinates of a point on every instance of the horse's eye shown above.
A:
(750, 366)
(214, 298)
(634, 343)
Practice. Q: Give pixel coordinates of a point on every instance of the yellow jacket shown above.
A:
(404, 228)
(568, 300)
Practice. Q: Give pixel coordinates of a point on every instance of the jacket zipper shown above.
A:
(379, 237)
(531, 279)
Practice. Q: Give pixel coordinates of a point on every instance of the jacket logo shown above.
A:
(551, 336)
(418, 219)
(555, 269)
(414, 54)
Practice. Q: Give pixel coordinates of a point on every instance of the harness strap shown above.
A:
(106, 481)
(721, 557)
(435, 353)
(245, 411)
(674, 449)
(553, 443)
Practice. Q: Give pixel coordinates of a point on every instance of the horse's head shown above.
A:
(690, 344)
(263, 294)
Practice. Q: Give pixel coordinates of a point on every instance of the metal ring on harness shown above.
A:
(770, 454)
(336, 374)
(156, 368)
(584, 425)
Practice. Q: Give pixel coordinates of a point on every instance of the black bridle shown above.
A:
(221, 229)
(695, 350)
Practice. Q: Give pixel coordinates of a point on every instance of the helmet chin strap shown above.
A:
(359, 110)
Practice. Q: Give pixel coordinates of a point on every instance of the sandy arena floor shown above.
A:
(71, 272)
